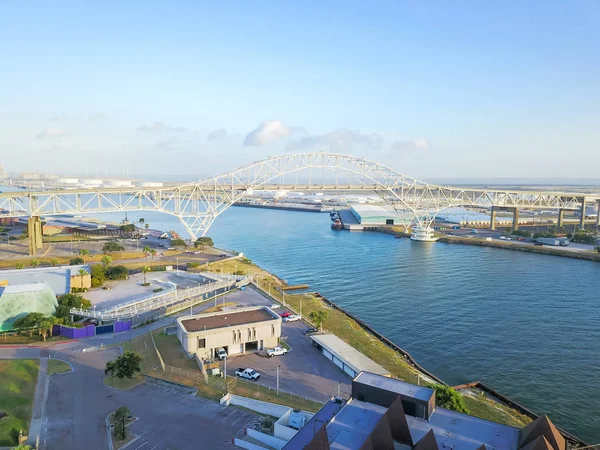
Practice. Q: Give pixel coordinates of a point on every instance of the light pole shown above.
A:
(300, 306)
(177, 259)
(225, 370)
(339, 387)
(277, 379)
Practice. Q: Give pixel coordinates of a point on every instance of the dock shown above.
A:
(351, 223)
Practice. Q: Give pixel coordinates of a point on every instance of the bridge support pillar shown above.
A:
(493, 214)
(582, 218)
(598, 216)
(34, 232)
(561, 218)
(515, 221)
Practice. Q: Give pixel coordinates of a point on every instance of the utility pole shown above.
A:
(277, 379)
(225, 370)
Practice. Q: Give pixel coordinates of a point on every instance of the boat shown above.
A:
(333, 213)
(337, 225)
(334, 218)
(423, 234)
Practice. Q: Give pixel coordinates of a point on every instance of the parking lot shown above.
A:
(304, 371)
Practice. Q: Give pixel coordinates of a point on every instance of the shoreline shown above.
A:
(539, 249)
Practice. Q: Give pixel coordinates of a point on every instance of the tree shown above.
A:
(76, 261)
(19, 265)
(145, 270)
(54, 262)
(120, 417)
(83, 253)
(110, 247)
(106, 260)
(46, 326)
(98, 275)
(141, 221)
(448, 398)
(68, 301)
(117, 272)
(146, 226)
(178, 243)
(34, 263)
(597, 248)
(318, 317)
(125, 366)
(146, 251)
(204, 242)
(82, 273)
(152, 255)
(31, 320)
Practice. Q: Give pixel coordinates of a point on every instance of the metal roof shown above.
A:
(227, 319)
(348, 354)
(58, 278)
(397, 386)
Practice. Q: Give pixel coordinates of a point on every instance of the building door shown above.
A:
(260, 347)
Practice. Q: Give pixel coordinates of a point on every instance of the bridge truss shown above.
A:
(198, 204)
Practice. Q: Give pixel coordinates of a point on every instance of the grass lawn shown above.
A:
(219, 307)
(143, 346)
(264, 394)
(123, 383)
(58, 366)
(172, 352)
(17, 390)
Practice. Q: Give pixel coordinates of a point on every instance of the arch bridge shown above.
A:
(199, 203)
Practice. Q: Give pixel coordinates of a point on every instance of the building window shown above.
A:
(234, 335)
(249, 334)
(239, 336)
(254, 333)
(272, 330)
(201, 342)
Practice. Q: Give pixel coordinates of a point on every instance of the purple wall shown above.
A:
(77, 333)
(122, 326)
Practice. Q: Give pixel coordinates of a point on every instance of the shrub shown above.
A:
(193, 265)
(76, 261)
(448, 398)
(117, 273)
(157, 290)
(178, 243)
(112, 247)
(96, 282)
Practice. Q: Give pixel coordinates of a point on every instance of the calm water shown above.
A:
(528, 325)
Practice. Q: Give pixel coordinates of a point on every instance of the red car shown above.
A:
(285, 314)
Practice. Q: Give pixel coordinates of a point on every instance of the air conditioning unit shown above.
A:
(297, 419)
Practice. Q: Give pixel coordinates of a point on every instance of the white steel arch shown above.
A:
(198, 204)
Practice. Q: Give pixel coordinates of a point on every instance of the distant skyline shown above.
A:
(436, 90)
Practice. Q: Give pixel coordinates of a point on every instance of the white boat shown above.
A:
(423, 234)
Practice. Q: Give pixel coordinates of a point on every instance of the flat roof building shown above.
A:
(60, 278)
(383, 419)
(345, 356)
(374, 215)
(240, 331)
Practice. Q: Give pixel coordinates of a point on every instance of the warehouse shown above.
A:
(374, 215)
(241, 331)
(345, 356)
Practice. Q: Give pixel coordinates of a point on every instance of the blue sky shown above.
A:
(431, 88)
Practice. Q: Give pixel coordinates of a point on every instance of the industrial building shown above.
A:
(345, 356)
(19, 300)
(241, 331)
(384, 413)
(374, 215)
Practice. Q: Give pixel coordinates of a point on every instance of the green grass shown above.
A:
(488, 409)
(142, 345)
(17, 390)
(172, 352)
(264, 394)
(123, 384)
(58, 366)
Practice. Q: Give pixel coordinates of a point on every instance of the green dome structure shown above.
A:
(19, 300)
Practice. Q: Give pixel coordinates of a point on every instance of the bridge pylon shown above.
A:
(34, 233)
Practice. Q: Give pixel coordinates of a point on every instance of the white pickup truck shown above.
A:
(276, 351)
(249, 374)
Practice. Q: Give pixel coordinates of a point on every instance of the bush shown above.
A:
(178, 243)
(157, 290)
(193, 265)
(448, 398)
(76, 261)
(112, 247)
(96, 282)
(78, 290)
(68, 301)
(116, 272)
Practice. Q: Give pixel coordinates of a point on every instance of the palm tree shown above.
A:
(145, 270)
(152, 254)
(141, 220)
(318, 317)
(54, 262)
(106, 260)
(20, 265)
(84, 252)
(146, 251)
(34, 263)
(82, 273)
(146, 226)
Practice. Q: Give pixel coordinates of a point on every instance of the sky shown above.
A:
(433, 89)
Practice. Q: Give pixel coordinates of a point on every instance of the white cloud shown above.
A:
(50, 133)
(171, 143)
(342, 141)
(160, 126)
(420, 144)
(267, 132)
(96, 117)
(217, 134)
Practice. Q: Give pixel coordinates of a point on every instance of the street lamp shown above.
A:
(177, 259)
(278, 379)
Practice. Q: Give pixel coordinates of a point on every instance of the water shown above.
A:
(527, 325)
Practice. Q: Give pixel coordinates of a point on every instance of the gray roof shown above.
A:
(320, 419)
(397, 386)
(351, 427)
(461, 431)
(58, 278)
(348, 354)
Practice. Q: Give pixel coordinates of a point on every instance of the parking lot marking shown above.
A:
(226, 417)
(141, 445)
(154, 447)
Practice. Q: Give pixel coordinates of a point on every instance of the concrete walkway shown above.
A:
(35, 429)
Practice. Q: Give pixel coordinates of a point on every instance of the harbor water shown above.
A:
(526, 324)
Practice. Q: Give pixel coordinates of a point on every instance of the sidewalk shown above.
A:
(35, 429)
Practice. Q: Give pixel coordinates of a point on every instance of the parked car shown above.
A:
(171, 248)
(292, 318)
(285, 314)
(276, 351)
(162, 245)
(223, 256)
(311, 330)
(248, 373)
(220, 353)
